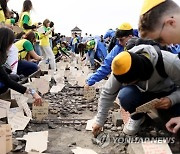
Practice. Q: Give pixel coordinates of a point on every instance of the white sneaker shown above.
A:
(132, 126)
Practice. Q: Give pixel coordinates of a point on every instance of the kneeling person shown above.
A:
(137, 80)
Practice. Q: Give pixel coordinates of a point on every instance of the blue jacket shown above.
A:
(101, 50)
(110, 33)
(105, 68)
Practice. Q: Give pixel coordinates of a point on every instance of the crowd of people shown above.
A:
(141, 65)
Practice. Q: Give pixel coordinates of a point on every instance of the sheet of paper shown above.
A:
(2, 140)
(90, 123)
(41, 85)
(9, 146)
(36, 141)
(13, 111)
(156, 148)
(4, 108)
(59, 77)
(19, 122)
(23, 104)
(43, 66)
(79, 150)
(67, 74)
(147, 106)
(56, 89)
(40, 112)
(15, 95)
(90, 93)
(85, 70)
(72, 82)
(81, 80)
(46, 77)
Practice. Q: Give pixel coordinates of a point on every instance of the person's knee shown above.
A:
(175, 110)
(3, 90)
(128, 95)
(34, 67)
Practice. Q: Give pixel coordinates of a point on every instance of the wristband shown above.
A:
(31, 91)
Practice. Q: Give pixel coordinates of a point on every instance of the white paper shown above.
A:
(19, 122)
(15, 95)
(90, 123)
(46, 77)
(56, 89)
(23, 103)
(80, 150)
(13, 111)
(147, 106)
(43, 66)
(36, 141)
(4, 108)
(41, 85)
(156, 148)
(81, 80)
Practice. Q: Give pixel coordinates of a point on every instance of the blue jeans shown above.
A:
(91, 54)
(131, 97)
(37, 49)
(26, 68)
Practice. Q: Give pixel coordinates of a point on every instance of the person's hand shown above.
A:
(96, 129)
(33, 60)
(33, 27)
(164, 103)
(38, 99)
(86, 87)
(173, 125)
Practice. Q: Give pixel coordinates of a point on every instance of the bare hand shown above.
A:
(173, 125)
(164, 103)
(96, 129)
(38, 100)
(86, 87)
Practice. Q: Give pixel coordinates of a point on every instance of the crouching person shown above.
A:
(137, 79)
(26, 55)
(6, 41)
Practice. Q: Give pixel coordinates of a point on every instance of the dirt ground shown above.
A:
(69, 104)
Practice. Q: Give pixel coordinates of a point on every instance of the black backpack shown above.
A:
(160, 64)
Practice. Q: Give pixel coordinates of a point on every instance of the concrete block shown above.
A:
(117, 119)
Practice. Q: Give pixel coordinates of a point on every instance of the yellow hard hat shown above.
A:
(149, 4)
(125, 26)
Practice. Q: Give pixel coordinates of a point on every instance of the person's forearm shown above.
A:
(10, 83)
(175, 97)
(25, 26)
(99, 75)
(107, 97)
